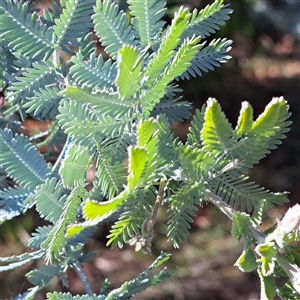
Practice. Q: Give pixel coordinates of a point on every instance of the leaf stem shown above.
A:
(83, 278)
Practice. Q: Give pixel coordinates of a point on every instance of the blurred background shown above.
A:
(265, 63)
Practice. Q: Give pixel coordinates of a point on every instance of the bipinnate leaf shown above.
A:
(74, 167)
(217, 132)
(43, 274)
(14, 261)
(21, 161)
(245, 119)
(55, 242)
(169, 42)
(130, 65)
(147, 19)
(50, 199)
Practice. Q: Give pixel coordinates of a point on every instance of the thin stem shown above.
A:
(229, 212)
(83, 278)
(158, 201)
(61, 155)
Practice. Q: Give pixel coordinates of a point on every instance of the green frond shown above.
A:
(15, 261)
(34, 78)
(217, 133)
(50, 199)
(181, 213)
(7, 61)
(74, 22)
(194, 135)
(103, 103)
(208, 58)
(245, 119)
(142, 281)
(136, 212)
(74, 166)
(173, 109)
(56, 140)
(207, 21)
(21, 161)
(112, 27)
(22, 31)
(180, 62)
(12, 202)
(265, 133)
(129, 67)
(50, 14)
(94, 72)
(56, 241)
(42, 275)
(87, 46)
(69, 296)
(196, 163)
(79, 121)
(259, 210)
(117, 146)
(241, 194)
(182, 59)
(165, 52)
(110, 177)
(147, 19)
(44, 103)
(39, 236)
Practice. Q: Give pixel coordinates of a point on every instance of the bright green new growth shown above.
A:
(114, 114)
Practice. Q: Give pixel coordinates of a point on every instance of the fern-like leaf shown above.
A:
(170, 41)
(129, 66)
(180, 62)
(181, 213)
(95, 72)
(7, 64)
(74, 167)
(147, 19)
(265, 133)
(74, 22)
(175, 110)
(102, 102)
(109, 177)
(21, 161)
(111, 26)
(194, 136)
(217, 133)
(208, 58)
(42, 275)
(21, 30)
(207, 21)
(50, 195)
(44, 104)
(15, 261)
(241, 194)
(12, 202)
(55, 242)
(34, 78)
(130, 223)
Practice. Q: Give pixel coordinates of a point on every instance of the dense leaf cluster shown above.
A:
(112, 111)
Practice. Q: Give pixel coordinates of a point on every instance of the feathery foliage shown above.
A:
(110, 114)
